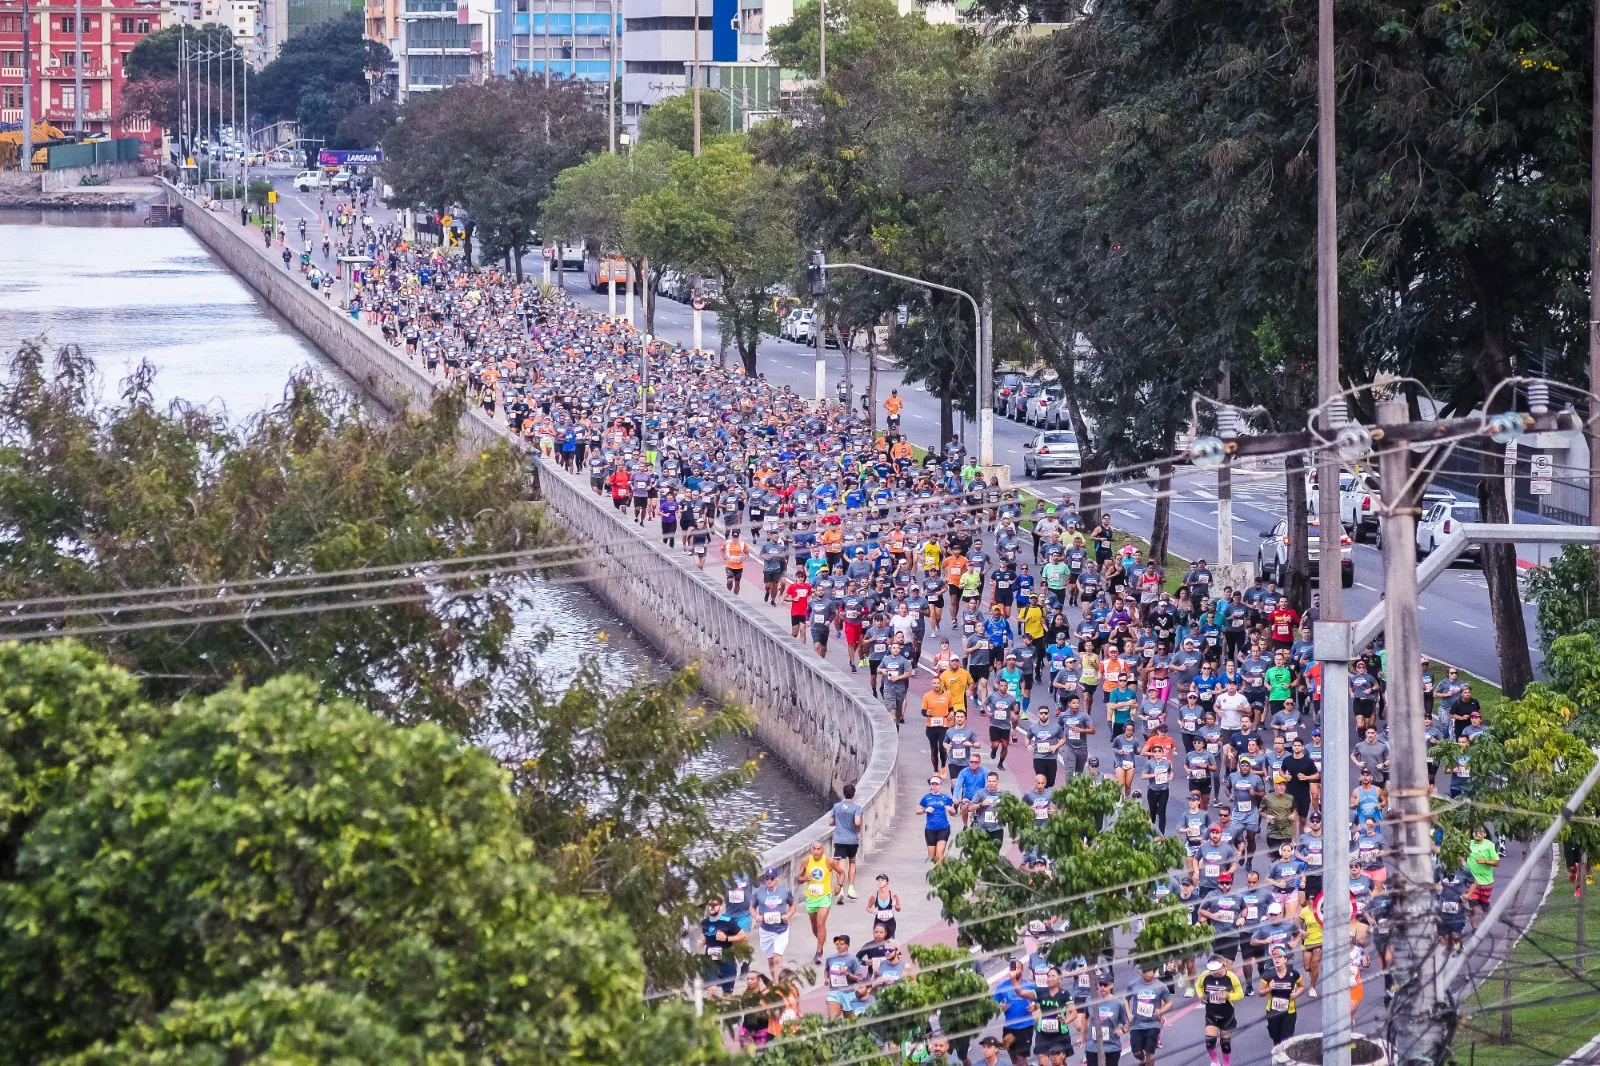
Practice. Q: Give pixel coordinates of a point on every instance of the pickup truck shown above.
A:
(1359, 502)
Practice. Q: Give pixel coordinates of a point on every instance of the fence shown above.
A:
(89, 153)
(1567, 500)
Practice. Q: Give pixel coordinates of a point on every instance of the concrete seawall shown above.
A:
(807, 713)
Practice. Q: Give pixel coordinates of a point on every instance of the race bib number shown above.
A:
(1145, 1009)
(1277, 1004)
(1245, 806)
(838, 980)
(1212, 869)
(772, 918)
(713, 951)
(736, 896)
(1162, 777)
(1050, 1025)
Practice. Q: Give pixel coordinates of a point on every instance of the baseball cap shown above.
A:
(772, 871)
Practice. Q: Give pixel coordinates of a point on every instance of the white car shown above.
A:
(1441, 520)
(307, 180)
(803, 326)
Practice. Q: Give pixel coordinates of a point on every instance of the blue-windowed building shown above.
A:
(571, 37)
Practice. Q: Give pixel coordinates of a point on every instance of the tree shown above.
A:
(1531, 756)
(365, 126)
(814, 1042)
(107, 498)
(493, 150)
(853, 29)
(1098, 877)
(604, 796)
(671, 120)
(590, 202)
(1565, 593)
(320, 76)
(159, 55)
(270, 874)
(950, 983)
(727, 216)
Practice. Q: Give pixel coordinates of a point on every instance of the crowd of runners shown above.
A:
(1043, 646)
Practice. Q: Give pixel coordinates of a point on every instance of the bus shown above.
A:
(602, 271)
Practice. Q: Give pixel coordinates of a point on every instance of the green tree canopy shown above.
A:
(320, 75)
(1098, 878)
(853, 28)
(272, 874)
(671, 120)
(493, 150)
(104, 498)
(159, 55)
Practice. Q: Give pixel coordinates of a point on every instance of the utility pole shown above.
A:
(77, 69)
(822, 41)
(1227, 424)
(1593, 425)
(985, 383)
(611, 109)
(25, 164)
(1328, 322)
(694, 79)
(574, 56)
(1415, 938)
(1334, 647)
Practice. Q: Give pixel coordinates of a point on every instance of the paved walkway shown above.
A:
(904, 858)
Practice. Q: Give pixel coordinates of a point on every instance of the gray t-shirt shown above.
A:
(845, 813)
(772, 908)
(1145, 1000)
(1371, 755)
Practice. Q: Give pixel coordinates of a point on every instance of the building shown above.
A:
(110, 29)
(570, 37)
(661, 47)
(242, 17)
(283, 19)
(440, 43)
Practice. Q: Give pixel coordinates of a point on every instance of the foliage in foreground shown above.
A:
(263, 875)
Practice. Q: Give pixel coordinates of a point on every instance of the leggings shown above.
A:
(1156, 800)
(1280, 1027)
(936, 744)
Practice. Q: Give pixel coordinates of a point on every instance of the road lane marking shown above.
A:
(1369, 588)
(1459, 622)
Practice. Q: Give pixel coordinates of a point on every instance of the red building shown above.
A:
(110, 30)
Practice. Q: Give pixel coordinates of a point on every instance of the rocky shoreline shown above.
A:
(70, 202)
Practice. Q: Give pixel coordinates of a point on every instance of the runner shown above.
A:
(846, 821)
(1219, 991)
(816, 882)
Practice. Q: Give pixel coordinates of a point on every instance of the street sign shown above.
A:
(272, 196)
(1511, 458)
(698, 303)
(901, 315)
(1541, 471)
(445, 221)
(549, 253)
(352, 158)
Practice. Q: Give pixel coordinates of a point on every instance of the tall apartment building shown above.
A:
(441, 42)
(242, 17)
(661, 47)
(111, 28)
(570, 37)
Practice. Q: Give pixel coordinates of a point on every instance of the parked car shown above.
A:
(1040, 405)
(340, 179)
(1017, 402)
(1054, 451)
(1272, 557)
(1441, 520)
(1003, 388)
(307, 180)
(803, 326)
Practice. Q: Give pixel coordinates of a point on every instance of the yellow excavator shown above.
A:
(44, 135)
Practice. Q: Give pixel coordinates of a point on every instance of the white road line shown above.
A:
(1459, 622)
(1127, 513)
(1205, 494)
(1134, 490)
(1369, 588)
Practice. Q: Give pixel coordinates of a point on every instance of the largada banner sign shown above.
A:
(350, 158)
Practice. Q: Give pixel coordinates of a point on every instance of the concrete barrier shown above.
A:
(808, 715)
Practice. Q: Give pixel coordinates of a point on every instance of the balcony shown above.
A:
(67, 114)
(10, 114)
(11, 72)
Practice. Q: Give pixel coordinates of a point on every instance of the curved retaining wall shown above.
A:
(809, 715)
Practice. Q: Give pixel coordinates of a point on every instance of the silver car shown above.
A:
(1055, 451)
(1441, 520)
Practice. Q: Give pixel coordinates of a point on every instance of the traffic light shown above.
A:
(816, 273)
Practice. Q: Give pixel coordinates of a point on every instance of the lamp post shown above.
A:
(77, 69)
(25, 162)
(694, 78)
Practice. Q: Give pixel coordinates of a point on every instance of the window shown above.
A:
(141, 26)
(10, 59)
(666, 22)
(67, 24)
(69, 59)
(69, 97)
(11, 96)
(10, 23)
(653, 66)
(127, 25)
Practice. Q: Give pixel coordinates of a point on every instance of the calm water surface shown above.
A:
(126, 292)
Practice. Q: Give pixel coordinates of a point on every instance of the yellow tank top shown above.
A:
(818, 877)
(1313, 927)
